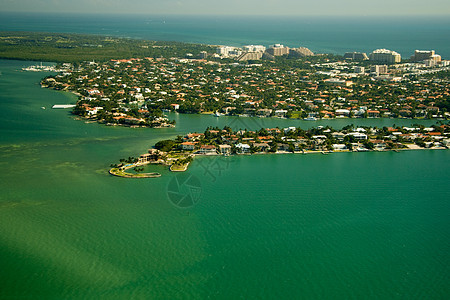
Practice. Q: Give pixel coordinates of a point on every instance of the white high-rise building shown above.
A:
(385, 56)
(254, 48)
(225, 50)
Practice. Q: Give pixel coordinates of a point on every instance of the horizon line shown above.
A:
(170, 14)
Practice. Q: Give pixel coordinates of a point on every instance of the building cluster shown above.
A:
(257, 52)
(428, 57)
(135, 92)
(215, 141)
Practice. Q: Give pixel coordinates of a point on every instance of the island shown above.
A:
(180, 152)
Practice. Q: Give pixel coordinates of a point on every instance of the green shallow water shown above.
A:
(340, 226)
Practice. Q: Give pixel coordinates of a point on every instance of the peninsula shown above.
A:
(179, 153)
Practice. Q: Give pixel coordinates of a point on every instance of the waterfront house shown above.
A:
(283, 147)
(378, 145)
(188, 146)
(339, 147)
(373, 113)
(281, 113)
(144, 158)
(225, 149)
(264, 112)
(289, 129)
(243, 148)
(262, 147)
(446, 142)
(207, 150)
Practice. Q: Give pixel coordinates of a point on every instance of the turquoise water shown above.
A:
(339, 226)
(321, 34)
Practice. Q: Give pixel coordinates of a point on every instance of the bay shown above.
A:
(350, 225)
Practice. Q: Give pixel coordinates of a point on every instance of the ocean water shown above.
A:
(321, 34)
(339, 226)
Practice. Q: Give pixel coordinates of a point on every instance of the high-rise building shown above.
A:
(385, 56)
(359, 70)
(254, 48)
(224, 50)
(203, 54)
(300, 52)
(278, 50)
(422, 55)
(356, 56)
(379, 69)
(250, 56)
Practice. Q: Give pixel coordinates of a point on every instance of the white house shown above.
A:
(339, 147)
(243, 148)
(358, 135)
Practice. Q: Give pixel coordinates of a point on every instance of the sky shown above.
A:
(233, 7)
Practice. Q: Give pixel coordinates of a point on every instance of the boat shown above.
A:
(63, 106)
(42, 107)
(217, 114)
(310, 118)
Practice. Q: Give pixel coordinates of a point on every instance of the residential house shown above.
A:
(263, 147)
(225, 149)
(207, 149)
(339, 147)
(188, 146)
(243, 148)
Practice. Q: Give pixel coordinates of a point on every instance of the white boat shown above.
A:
(62, 106)
(42, 107)
(310, 118)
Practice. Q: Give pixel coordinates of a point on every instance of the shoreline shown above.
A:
(121, 172)
(178, 153)
(117, 172)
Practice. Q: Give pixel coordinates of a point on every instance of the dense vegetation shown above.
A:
(66, 47)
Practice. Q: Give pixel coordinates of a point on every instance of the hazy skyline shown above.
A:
(233, 7)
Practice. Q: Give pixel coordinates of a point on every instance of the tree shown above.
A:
(165, 145)
(291, 147)
(273, 146)
(368, 144)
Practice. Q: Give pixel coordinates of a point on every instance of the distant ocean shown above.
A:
(321, 34)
